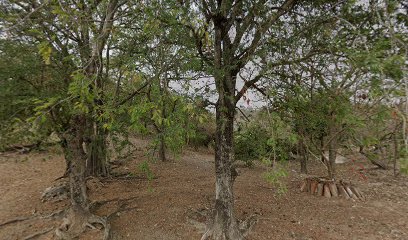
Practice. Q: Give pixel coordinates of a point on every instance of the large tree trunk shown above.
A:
(79, 216)
(225, 224)
(77, 158)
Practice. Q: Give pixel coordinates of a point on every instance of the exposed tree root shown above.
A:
(56, 193)
(56, 214)
(122, 202)
(244, 228)
(94, 183)
(60, 190)
(18, 219)
(65, 176)
(198, 218)
(126, 176)
(203, 220)
(217, 233)
(22, 219)
(77, 221)
(37, 234)
(117, 212)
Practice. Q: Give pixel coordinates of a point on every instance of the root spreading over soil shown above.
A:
(77, 221)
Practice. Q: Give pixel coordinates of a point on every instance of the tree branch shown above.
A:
(244, 56)
(132, 95)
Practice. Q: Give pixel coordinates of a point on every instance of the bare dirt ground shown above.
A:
(164, 208)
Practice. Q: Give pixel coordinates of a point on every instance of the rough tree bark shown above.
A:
(77, 157)
(225, 225)
(79, 216)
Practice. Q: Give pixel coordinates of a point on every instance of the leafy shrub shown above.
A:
(266, 138)
(276, 177)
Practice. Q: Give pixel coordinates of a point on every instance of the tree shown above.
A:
(163, 61)
(75, 47)
(75, 35)
(319, 93)
(232, 39)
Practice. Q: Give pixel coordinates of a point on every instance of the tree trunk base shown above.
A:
(203, 220)
(216, 233)
(77, 221)
(321, 186)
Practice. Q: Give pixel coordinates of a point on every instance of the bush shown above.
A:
(266, 138)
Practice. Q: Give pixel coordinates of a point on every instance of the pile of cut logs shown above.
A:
(330, 188)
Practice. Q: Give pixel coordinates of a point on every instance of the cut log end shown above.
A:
(327, 191)
(330, 188)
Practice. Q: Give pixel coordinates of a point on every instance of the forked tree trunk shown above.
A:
(224, 224)
(92, 59)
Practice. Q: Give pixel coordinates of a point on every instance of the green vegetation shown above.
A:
(331, 75)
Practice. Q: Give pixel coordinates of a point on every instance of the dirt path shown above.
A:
(160, 209)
